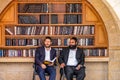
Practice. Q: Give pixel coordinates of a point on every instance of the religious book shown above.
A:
(1, 53)
(46, 62)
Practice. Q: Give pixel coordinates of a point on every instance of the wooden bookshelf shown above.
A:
(33, 20)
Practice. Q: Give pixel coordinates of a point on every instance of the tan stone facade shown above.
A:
(94, 70)
(24, 71)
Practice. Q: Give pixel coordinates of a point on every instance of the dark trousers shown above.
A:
(70, 70)
(50, 69)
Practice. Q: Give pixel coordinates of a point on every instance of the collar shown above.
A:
(47, 50)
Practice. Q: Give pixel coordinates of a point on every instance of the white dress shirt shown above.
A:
(72, 61)
(47, 54)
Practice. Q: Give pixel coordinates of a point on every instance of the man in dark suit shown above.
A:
(45, 53)
(72, 60)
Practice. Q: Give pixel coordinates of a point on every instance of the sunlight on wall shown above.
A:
(115, 4)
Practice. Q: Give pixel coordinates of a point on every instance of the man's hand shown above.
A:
(62, 65)
(78, 67)
(51, 64)
(43, 66)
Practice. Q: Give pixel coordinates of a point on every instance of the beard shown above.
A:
(72, 46)
(47, 46)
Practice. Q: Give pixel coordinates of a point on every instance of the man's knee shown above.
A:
(81, 74)
(53, 72)
(40, 70)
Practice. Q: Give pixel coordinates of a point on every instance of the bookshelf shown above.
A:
(60, 19)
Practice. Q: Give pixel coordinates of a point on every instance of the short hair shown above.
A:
(74, 38)
(48, 38)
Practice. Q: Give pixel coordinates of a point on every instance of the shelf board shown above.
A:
(49, 2)
(48, 13)
(62, 24)
(93, 46)
(58, 24)
(18, 47)
(39, 36)
(114, 47)
(30, 46)
(16, 59)
(31, 60)
(29, 25)
(97, 59)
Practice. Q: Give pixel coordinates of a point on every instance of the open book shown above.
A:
(46, 62)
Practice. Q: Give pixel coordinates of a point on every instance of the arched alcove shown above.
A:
(112, 28)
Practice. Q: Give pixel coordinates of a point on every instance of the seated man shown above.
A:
(45, 53)
(72, 60)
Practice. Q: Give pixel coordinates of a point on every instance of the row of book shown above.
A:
(44, 19)
(17, 53)
(30, 42)
(54, 30)
(31, 52)
(81, 41)
(72, 19)
(49, 7)
(73, 7)
(33, 19)
(85, 41)
(95, 52)
(55, 42)
(28, 19)
(22, 52)
(72, 30)
(32, 8)
(24, 42)
(27, 30)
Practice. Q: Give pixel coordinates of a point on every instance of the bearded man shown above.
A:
(72, 60)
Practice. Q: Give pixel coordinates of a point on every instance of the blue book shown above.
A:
(1, 53)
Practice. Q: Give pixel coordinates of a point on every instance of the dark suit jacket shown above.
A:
(63, 58)
(40, 55)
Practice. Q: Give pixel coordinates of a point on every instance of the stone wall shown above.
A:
(95, 71)
(24, 71)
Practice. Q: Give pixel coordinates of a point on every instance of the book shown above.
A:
(46, 62)
(54, 19)
(10, 32)
(44, 19)
(1, 53)
(78, 7)
(27, 19)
